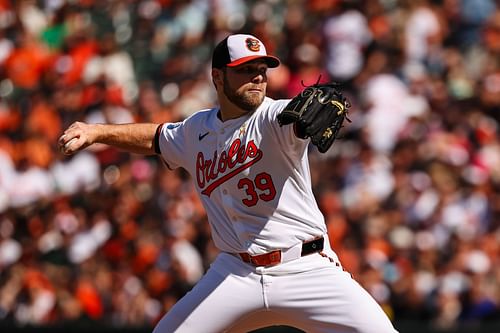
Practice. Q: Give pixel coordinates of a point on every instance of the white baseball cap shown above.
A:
(237, 49)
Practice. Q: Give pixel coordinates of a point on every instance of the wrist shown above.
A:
(97, 133)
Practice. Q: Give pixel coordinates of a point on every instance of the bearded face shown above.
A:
(249, 95)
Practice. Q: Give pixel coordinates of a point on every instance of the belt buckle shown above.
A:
(275, 258)
(267, 259)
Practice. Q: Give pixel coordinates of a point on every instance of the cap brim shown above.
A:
(270, 61)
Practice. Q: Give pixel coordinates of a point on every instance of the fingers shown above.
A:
(71, 147)
(71, 140)
(67, 144)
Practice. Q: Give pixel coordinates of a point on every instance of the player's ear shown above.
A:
(217, 77)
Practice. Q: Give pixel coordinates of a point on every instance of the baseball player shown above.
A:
(275, 265)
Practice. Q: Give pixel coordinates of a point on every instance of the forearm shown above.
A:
(135, 138)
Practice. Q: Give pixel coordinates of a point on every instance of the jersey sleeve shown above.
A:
(172, 144)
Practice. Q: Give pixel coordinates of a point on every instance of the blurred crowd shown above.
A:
(411, 194)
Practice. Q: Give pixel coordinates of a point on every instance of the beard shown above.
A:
(247, 102)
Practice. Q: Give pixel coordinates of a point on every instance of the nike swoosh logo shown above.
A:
(201, 136)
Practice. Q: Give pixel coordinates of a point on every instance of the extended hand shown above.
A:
(77, 137)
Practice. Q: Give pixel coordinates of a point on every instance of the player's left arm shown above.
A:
(285, 134)
(134, 138)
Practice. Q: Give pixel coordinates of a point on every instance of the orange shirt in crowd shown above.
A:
(26, 64)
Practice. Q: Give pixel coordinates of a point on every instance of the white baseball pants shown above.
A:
(310, 293)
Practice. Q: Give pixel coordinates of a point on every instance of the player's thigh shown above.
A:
(213, 305)
(363, 312)
(329, 300)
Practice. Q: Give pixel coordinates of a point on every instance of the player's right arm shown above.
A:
(135, 138)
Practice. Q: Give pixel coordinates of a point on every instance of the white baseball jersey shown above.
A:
(252, 176)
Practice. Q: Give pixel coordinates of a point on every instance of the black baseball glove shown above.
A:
(318, 112)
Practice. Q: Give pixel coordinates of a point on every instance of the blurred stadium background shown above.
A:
(105, 241)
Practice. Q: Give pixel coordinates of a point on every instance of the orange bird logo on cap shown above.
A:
(253, 44)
